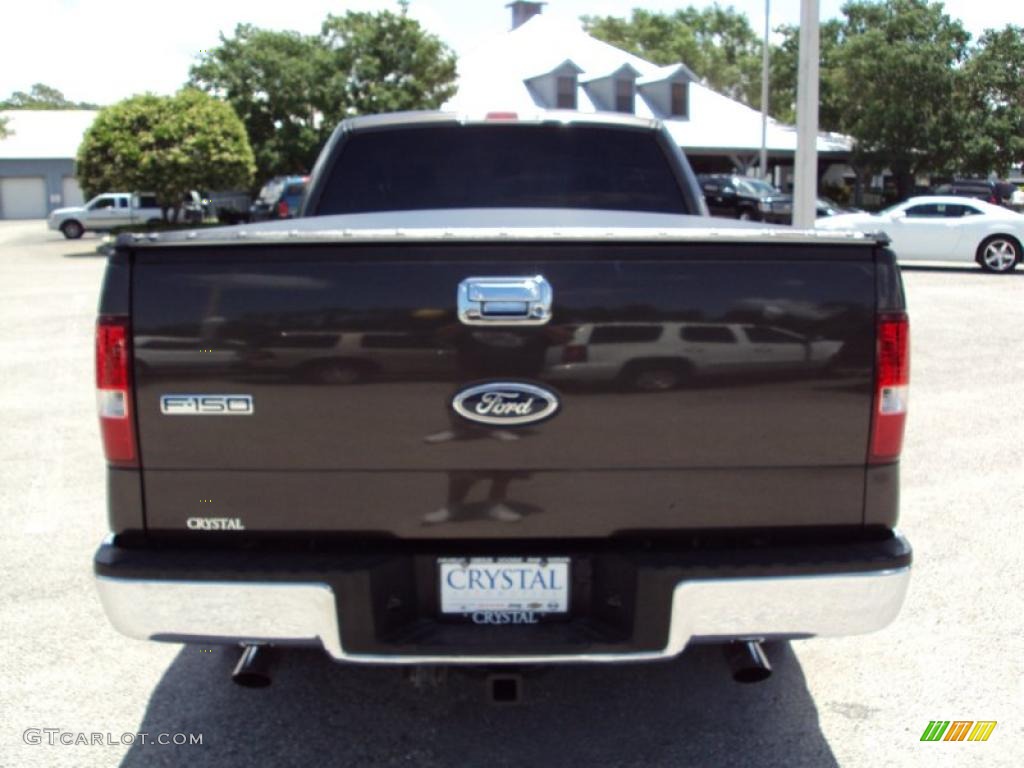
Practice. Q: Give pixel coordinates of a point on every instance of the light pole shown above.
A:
(764, 92)
(805, 183)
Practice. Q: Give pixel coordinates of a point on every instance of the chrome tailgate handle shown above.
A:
(504, 300)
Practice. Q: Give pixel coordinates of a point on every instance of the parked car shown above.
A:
(458, 508)
(280, 198)
(118, 209)
(826, 206)
(1017, 200)
(333, 357)
(742, 197)
(944, 229)
(193, 207)
(228, 206)
(654, 357)
(995, 192)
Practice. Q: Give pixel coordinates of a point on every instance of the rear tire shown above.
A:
(654, 376)
(72, 230)
(745, 215)
(1000, 254)
(656, 380)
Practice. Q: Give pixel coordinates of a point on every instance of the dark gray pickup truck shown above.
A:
(505, 394)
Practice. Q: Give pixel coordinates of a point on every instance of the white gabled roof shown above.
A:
(589, 77)
(493, 78)
(566, 64)
(44, 134)
(723, 124)
(667, 72)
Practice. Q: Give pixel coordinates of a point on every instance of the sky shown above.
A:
(105, 50)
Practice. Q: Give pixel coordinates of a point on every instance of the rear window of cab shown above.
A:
(495, 166)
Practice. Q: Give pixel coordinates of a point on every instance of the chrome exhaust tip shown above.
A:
(748, 662)
(253, 668)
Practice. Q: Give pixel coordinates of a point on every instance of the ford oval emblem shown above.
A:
(505, 403)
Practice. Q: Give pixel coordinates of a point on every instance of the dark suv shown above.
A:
(995, 192)
(280, 198)
(741, 197)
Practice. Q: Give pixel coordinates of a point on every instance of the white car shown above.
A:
(941, 228)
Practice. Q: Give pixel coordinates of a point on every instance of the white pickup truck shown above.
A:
(116, 209)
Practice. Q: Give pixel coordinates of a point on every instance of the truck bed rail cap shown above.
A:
(499, 224)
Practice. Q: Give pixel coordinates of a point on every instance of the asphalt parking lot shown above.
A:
(955, 653)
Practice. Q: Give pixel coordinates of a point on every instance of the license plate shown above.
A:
(537, 585)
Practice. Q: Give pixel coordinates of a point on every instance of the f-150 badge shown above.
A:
(206, 405)
(505, 403)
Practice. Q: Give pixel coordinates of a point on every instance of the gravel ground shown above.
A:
(954, 653)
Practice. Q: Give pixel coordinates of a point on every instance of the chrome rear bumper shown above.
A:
(703, 610)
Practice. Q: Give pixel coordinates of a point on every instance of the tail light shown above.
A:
(114, 390)
(499, 116)
(282, 209)
(574, 353)
(892, 380)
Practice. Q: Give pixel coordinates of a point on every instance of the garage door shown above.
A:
(23, 198)
(71, 193)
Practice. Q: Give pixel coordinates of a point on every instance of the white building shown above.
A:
(549, 62)
(37, 161)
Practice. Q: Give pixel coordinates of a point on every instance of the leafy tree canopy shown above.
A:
(383, 62)
(991, 103)
(167, 145)
(42, 96)
(896, 73)
(290, 90)
(272, 79)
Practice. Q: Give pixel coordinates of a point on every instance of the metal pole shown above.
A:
(764, 92)
(805, 183)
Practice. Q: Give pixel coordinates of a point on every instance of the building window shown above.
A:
(679, 106)
(624, 96)
(566, 97)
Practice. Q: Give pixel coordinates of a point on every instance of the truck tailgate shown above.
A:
(702, 386)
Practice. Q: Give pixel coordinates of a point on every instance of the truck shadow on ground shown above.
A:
(682, 712)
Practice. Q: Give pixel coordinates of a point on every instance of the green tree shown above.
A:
(896, 74)
(991, 103)
(717, 43)
(42, 96)
(383, 62)
(290, 90)
(783, 76)
(272, 79)
(167, 145)
(4, 130)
